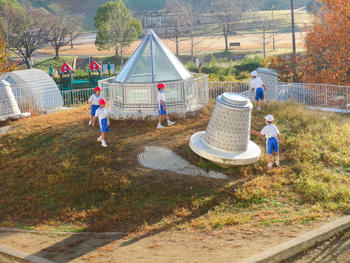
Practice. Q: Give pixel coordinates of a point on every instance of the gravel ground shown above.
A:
(335, 250)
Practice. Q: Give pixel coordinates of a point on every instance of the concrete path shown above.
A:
(335, 250)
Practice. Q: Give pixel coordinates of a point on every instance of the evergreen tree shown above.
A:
(116, 27)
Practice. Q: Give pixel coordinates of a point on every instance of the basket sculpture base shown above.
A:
(198, 145)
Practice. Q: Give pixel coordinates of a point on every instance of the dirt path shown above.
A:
(227, 245)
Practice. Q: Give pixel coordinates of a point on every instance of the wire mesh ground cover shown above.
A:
(158, 158)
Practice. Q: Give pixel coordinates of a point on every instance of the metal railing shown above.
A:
(78, 97)
(39, 101)
(217, 88)
(322, 96)
(315, 95)
(183, 95)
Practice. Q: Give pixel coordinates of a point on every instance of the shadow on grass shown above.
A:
(61, 175)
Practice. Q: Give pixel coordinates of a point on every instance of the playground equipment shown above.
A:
(8, 105)
(34, 90)
(227, 139)
(65, 73)
(133, 92)
(94, 78)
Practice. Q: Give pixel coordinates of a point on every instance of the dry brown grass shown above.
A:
(55, 176)
(249, 42)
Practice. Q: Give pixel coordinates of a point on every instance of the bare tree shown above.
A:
(263, 24)
(227, 12)
(74, 25)
(59, 36)
(26, 31)
(178, 20)
(64, 31)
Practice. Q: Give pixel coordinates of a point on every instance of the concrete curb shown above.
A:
(296, 245)
(17, 230)
(8, 255)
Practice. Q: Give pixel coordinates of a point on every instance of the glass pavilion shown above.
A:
(132, 94)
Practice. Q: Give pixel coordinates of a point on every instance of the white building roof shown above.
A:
(152, 62)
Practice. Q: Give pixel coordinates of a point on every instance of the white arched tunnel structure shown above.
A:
(34, 90)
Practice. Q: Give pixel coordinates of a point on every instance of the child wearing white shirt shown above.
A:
(162, 107)
(273, 139)
(103, 121)
(258, 85)
(94, 102)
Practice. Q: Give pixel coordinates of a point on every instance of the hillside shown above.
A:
(88, 8)
(54, 174)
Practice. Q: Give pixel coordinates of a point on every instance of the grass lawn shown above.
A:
(56, 63)
(54, 175)
(281, 21)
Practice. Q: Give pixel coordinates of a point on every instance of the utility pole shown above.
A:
(273, 30)
(293, 26)
(264, 40)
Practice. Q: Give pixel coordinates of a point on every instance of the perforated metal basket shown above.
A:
(227, 139)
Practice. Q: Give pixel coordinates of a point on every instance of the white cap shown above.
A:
(254, 73)
(269, 118)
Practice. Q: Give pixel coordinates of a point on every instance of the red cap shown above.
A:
(97, 89)
(102, 101)
(160, 86)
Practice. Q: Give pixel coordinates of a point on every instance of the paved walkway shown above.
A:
(335, 250)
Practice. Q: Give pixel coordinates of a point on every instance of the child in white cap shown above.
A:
(257, 85)
(162, 107)
(103, 121)
(273, 139)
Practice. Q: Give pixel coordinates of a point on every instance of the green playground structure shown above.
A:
(68, 83)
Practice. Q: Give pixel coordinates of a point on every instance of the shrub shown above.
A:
(192, 67)
(249, 64)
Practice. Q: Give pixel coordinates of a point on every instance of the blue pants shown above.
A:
(104, 125)
(259, 95)
(272, 145)
(161, 110)
(93, 109)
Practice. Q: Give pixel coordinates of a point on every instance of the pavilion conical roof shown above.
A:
(152, 62)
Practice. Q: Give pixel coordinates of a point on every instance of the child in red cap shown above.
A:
(94, 102)
(162, 107)
(103, 121)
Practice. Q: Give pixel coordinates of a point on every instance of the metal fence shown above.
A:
(331, 97)
(78, 97)
(39, 101)
(134, 99)
(217, 88)
(184, 94)
(316, 96)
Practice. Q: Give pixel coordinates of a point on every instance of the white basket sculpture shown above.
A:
(8, 105)
(227, 140)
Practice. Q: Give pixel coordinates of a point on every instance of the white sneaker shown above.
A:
(99, 139)
(160, 126)
(277, 162)
(104, 144)
(171, 123)
(269, 166)
(90, 122)
(259, 109)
